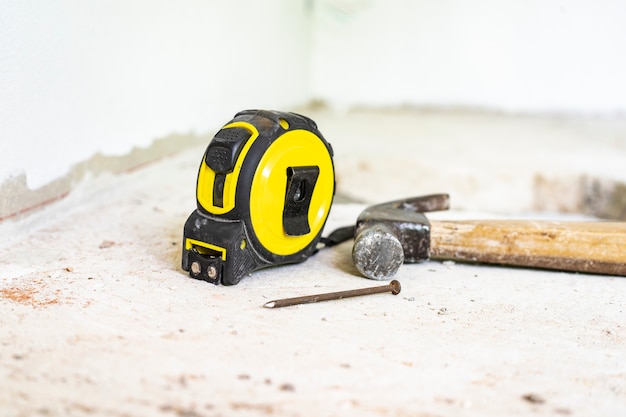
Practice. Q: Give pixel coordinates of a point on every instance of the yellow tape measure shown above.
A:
(264, 191)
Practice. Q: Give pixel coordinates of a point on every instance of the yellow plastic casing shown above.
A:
(206, 176)
(295, 148)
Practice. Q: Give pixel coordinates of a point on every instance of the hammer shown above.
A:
(390, 234)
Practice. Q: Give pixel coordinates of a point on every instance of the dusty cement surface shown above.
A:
(486, 161)
(18, 200)
(97, 318)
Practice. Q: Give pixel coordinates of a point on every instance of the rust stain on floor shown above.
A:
(29, 296)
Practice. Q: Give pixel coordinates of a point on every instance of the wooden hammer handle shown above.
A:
(593, 247)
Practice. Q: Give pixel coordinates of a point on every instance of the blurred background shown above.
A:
(79, 79)
(514, 107)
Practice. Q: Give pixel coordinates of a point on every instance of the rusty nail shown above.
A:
(393, 287)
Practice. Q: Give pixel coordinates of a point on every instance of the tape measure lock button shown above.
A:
(224, 149)
(264, 191)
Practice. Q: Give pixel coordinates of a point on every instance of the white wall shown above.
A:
(79, 77)
(516, 55)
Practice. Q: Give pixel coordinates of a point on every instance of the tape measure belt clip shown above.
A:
(300, 185)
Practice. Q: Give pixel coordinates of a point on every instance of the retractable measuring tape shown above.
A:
(264, 191)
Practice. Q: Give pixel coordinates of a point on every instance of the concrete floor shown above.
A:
(97, 318)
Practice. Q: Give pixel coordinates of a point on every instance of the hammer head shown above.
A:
(390, 234)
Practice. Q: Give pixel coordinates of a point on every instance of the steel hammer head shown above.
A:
(390, 234)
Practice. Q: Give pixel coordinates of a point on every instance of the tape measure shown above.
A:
(264, 191)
